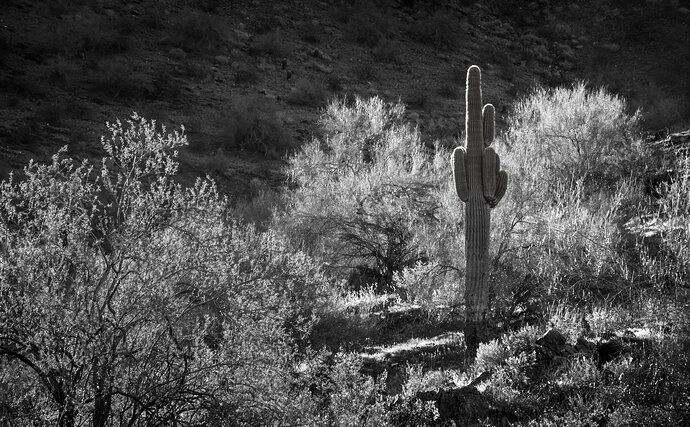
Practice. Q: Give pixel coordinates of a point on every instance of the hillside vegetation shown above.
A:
(240, 262)
(130, 299)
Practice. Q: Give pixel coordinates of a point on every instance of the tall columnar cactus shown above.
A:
(481, 184)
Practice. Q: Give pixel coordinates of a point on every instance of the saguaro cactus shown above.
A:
(481, 184)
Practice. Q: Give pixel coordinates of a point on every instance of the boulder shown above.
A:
(464, 405)
(611, 47)
(553, 340)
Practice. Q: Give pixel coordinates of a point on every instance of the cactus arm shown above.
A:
(460, 173)
(501, 186)
(490, 167)
(489, 124)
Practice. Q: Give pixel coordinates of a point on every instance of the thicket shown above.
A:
(126, 298)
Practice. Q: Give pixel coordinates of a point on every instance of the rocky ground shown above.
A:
(68, 67)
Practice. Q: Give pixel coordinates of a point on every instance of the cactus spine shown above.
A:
(481, 184)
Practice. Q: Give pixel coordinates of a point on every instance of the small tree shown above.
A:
(128, 299)
(575, 133)
(365, 191)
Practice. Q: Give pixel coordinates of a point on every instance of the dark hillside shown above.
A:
(247, 78)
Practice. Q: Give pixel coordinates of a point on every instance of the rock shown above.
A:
(464, 405)
(611, 47)
(222, 59)
(241, 35)
(683, 10)
(553, 340)
(319, 67)
(265, 66)
(585, 346)
(318, 53)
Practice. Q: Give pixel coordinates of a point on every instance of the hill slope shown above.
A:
(247, 78)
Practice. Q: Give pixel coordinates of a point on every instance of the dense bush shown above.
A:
(126, 298)
(308, 93)
(367, 192)
(576, 165)
(574, 133)
(252, 124)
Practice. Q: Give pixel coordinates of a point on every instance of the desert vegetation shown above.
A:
(290, 241)
(128, 298)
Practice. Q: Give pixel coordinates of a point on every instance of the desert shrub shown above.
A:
(252, 124)
(258, 204)
(668, 267)
(498, 351)
(568, 134)
(365, 191)
(429, 285)
(127, 298)
(587, 252)
(270, 44)
(575, 163)
(356, 400)
(197, 32)
(308, 93)
(439, 30)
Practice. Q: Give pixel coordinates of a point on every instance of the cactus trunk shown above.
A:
(480, 184)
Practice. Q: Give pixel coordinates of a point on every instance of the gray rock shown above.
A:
(319, 67)
(611, 47)
(553, 340)
(585, 346)
(222, 59)
(318, 53)
(464, 405)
